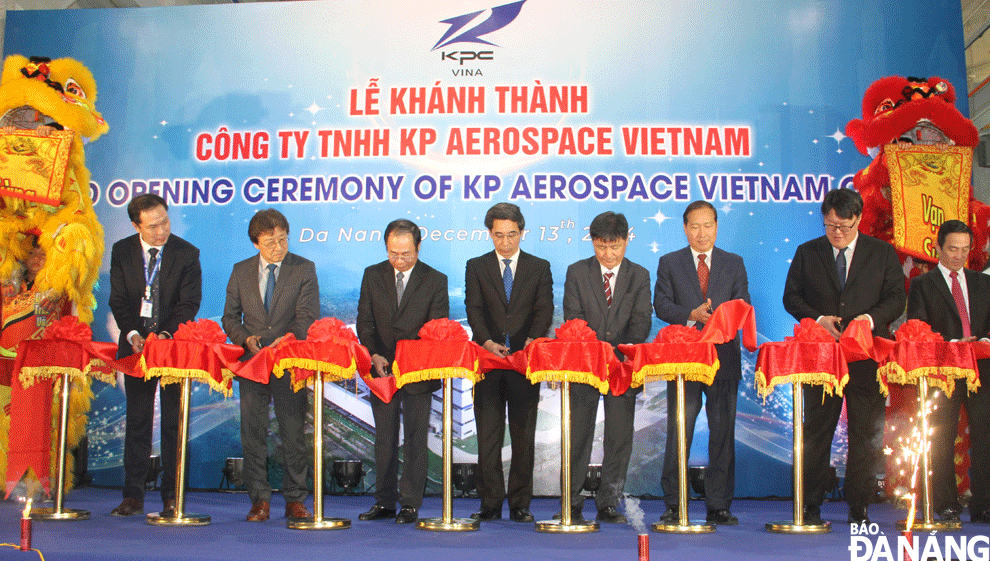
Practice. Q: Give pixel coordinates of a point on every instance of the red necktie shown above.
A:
(957, 295)
(608, 288)
(703, 275)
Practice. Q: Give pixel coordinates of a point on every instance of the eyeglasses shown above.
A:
(401, 256)
(505, 236)
(278, 242)
(843, 229)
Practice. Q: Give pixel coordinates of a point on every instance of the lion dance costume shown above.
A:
(917, 111)
(44, 100)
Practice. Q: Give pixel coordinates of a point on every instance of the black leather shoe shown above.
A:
(813, 515)
(857, 515)
(722, 517)
(949, 514)
(168, 509)
(487, 514)
(671, 516)
(128, 507)
(521, 514)
(980, 517)
(612, 516)
(407, 515)
(377, 512)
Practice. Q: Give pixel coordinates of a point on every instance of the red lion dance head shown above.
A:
(916, 111)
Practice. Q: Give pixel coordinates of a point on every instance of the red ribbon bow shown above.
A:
(575, 330)
(443, 329)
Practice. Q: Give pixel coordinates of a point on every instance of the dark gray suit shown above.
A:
(294, 307)
(875, 286)
(677, 293)
(626, 321)
(382, 322)
(930, 300)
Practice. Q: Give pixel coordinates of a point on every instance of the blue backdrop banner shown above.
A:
(345, 115)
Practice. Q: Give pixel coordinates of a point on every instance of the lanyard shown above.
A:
(150, 276)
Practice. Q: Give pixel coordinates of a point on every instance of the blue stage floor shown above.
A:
(229, 537)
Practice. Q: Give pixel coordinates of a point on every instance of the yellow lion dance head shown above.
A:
(44, 95)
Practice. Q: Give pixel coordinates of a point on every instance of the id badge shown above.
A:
(146, 307)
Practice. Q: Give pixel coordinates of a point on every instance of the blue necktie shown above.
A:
(270, 286)
(840, 265)
(507, 283)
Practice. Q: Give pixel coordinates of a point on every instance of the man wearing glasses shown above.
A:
(509, 300)
(842, 276)
(398, 297)
(269, 295)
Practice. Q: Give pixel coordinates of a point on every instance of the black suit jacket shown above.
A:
(294, 307)
(874, 283)
(526, 315)
(930, 300)
(179, 287)
(382, 321)
(678, 292)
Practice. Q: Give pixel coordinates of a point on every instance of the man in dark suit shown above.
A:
(398, 297)
(943, 297)
(842, 276)
(691, 283)
(155, 285)
(268, 296)
(509, 300)
(612, 294)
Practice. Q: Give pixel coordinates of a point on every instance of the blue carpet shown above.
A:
(229, 537)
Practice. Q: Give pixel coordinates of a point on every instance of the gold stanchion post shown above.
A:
(180, 517)
(683, 525)
(448, 523)
(566, 525)
(59, 512)
(317, 521)
(798, 526)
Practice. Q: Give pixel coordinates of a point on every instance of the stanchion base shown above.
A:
(186, 519)
(312, 523)
(789, 527)
(934, 525)
(64, 514)
(452, 525)
(691, 527)
(558, 527)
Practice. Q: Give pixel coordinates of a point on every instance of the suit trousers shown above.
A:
(501, 389)
(720, 406)
(138, 435)
(415, 412)
(865, 413)
(944, 422)
(290, 411)
(616, 442)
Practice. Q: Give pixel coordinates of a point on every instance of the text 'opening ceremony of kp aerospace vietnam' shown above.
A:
(466, 280)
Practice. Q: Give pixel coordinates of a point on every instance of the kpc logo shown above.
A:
(499, 17)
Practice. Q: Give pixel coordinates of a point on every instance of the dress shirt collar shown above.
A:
(405, 274)
(514, 261)
(145, 247)
(850, 249)
(614, 271)
(708, 256)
